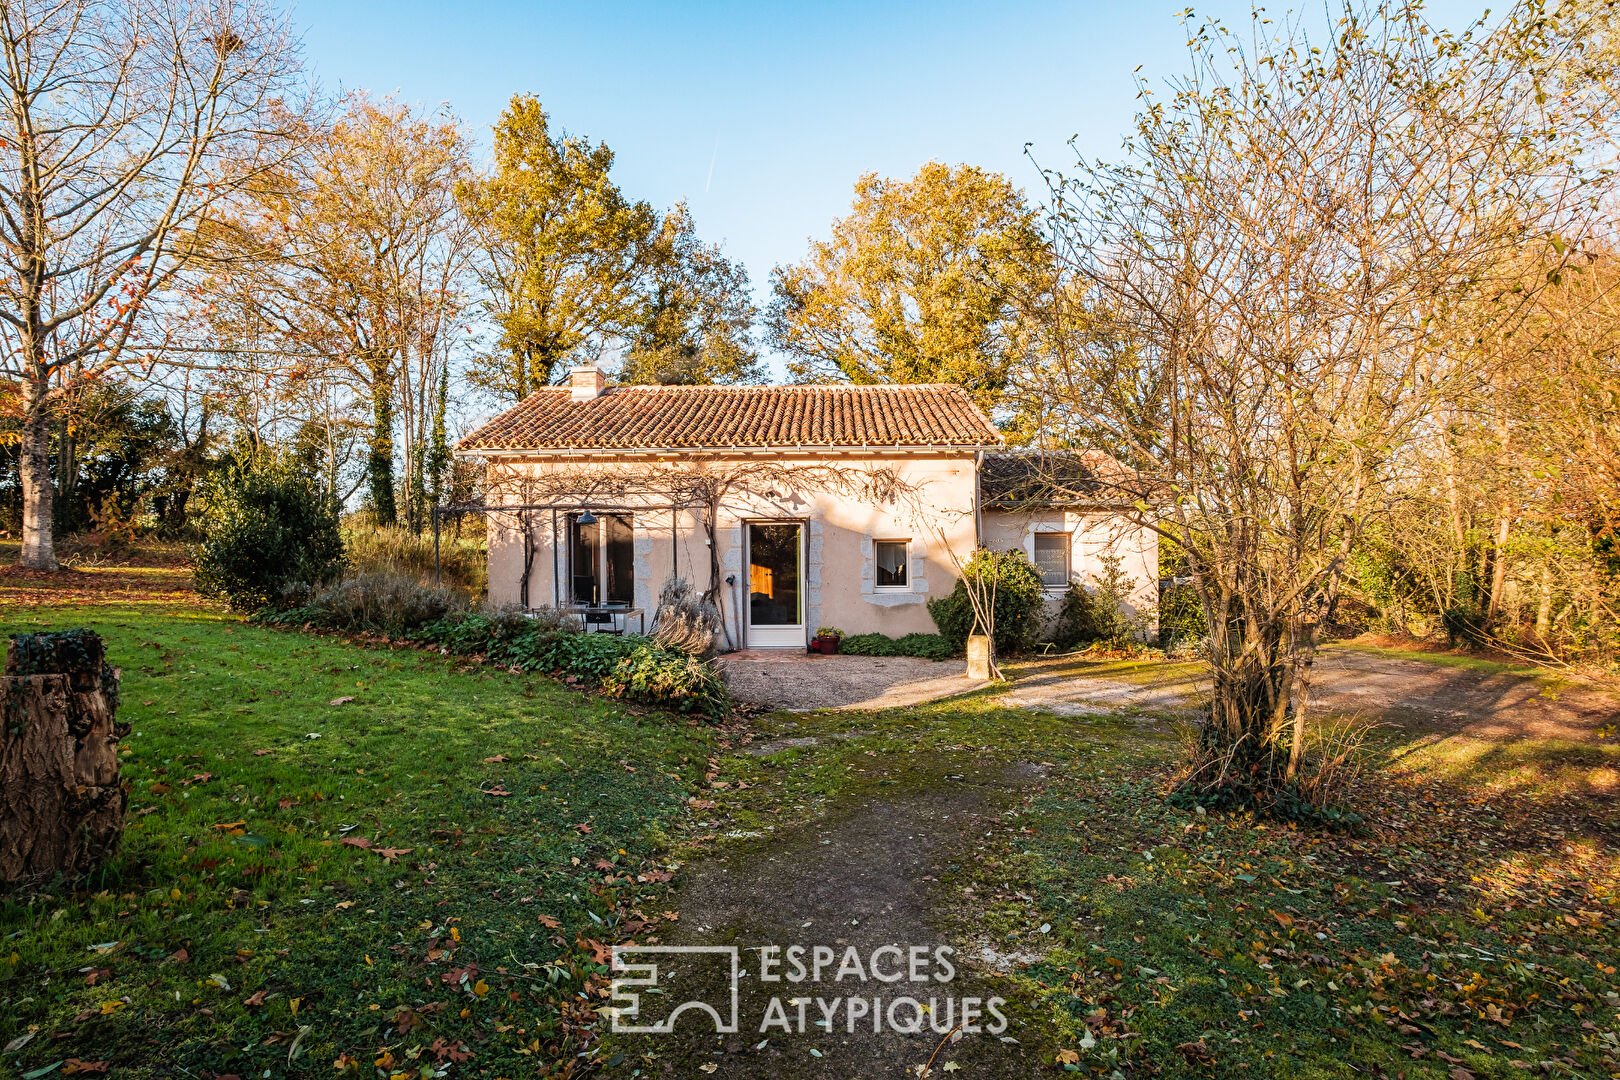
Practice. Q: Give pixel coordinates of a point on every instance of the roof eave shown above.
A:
(578, 451)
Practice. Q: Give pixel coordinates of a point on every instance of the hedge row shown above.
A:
(627, 666)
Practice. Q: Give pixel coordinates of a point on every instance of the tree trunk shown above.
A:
(1499, 564)
(38, 550)
(61, 803)
(1544, 603)
(380, 462)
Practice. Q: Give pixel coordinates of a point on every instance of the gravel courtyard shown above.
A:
(804, 682)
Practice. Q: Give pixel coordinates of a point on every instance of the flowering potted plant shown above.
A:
(826, 640)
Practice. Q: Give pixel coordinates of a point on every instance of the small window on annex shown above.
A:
(1052, 558)
(891, 563)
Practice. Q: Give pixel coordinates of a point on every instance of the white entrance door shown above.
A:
(775, 585)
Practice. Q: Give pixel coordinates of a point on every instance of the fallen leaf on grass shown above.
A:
(261, 753)
(496, 760)
(389, 854)
(1195, 1051)
(344, 905)
(499, 790)
(356, 841)
(459, 975)
(229, 826)
(449, 1051)
(340, 701)
(74, 1066)
(583, 828)
(549, 923)
(19, 1042)
(98, 973)
(1460, 1073)
(1068, 1057)
(255, 999)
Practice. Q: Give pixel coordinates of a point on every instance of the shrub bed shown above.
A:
(626, 666)
(926, 646)
(1018, 608)
(381, 602)
(269, 535)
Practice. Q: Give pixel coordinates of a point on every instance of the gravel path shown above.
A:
(1347, 681)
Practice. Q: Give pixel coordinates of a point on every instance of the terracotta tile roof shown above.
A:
(722, 417)
(1034, 478)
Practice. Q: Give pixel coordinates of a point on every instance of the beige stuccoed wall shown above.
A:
(1094, 534)
(840, 530)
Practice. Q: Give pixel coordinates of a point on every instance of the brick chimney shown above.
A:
(586, 382)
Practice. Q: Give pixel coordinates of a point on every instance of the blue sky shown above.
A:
(786, 103)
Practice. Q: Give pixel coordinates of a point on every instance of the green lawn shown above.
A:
(304, 883)
(1470, 928)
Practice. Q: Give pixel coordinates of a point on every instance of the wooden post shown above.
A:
(61, 802)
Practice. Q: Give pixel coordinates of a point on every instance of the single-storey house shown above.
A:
(808, 506)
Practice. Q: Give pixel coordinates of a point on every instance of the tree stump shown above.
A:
(61, 803)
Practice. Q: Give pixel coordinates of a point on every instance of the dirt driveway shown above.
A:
(1461, 700)
(1348, 681)
(1419, 694)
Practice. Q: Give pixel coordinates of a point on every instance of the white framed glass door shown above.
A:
(776, 585)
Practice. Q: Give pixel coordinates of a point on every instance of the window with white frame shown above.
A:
(890, 556)
(1052, 558)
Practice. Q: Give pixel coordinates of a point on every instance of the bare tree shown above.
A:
(1260, 303)
(125, 123)
(349, 262)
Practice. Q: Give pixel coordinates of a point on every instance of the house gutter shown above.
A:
(978, 500)
(978, 449)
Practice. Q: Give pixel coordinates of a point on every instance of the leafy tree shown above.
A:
(269, 534)
(1010, 592)
(923, 282)
(562, 248)
(695, 323)
(115, 454)
(439, 458)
